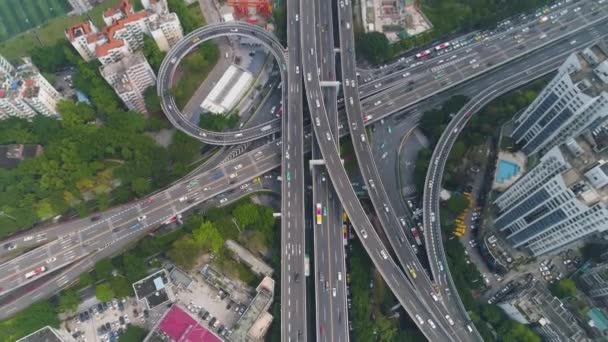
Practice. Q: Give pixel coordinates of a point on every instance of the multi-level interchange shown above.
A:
(311, 87)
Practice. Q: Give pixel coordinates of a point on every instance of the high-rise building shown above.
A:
(575, 100)
(130, 77)
(534, 305)
(595, 282)
(27, 93)
(7, 70)
(83, 37)
(80, 6)
(166, 31)
(558, 202)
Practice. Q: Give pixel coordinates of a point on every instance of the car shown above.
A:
(405, 75)
(435, 298)
(377, 102)
(371, 183)
(297, 17)
(239, 166)
(377, 85)
(142, 217)
(183, 198)
(364, 234)
(363, 137)
(308, 77)
(122, 320)
(297, 69)
(233, 175)
(419, 319)
(224, 200)
(333, 292)
(383, 254)
(402, 220)
(386, 207)
(431, 323)
(449, 319)
(328, 136)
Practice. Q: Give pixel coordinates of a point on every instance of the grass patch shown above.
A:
(48, 33)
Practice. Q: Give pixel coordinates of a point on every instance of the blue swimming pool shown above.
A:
(506, 170)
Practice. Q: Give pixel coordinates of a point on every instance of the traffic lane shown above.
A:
(493, 54)
(337, 174)
(389, 221)
(548, 28)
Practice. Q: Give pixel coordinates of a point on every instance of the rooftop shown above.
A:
(151, 284)
(46, 334)
(178, 325)
(255, 321)
(79, 29)
(593, 60)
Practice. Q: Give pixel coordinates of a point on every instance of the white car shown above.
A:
(223, 200)
(233, 175)
(141, 218)
(371, 183)
(406, 74)
(308, 76)
(364, 234)
(384, 255)
(431, 323)
(317, 121)
(328, 136)
(347, 82)
(50, 260)
(183, 199)
(333, 292)
(297, 17)
(339, 275)
(238, 167)
(297, 69)
(420, 320)
(363, 137)
(377, 102)
(378, 85)
(449, 319)
(435, 298)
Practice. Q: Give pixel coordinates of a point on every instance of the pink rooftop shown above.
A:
(180, 326)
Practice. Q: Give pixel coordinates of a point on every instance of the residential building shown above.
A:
(574, 101)
(130, 77)
(124, 31)
(83, 37)
(561, 201)
(534, 305)
(46, 334)
(7, 70)
(27, 93)
(594, 281)
(80, 6)
(255, 321)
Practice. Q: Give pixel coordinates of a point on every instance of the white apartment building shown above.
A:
(575, 99)
(559, 202)
(41, 96)
(125, 31)
(130, 77)
(83, 37)
(166, 31)
(7, 70)
(80, 6)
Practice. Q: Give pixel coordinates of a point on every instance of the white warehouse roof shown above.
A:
(228, 90)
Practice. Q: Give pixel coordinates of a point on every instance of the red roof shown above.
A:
(29, 82)
(102, 50)
(78, 30)
(180, 326)
(124, 6)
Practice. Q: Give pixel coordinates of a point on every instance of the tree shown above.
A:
(86, 279)
(140, 186)
(52, 58)
(246, 214)
(152, 100)
(492, 313)
(68, 301)
(74, 114)
(121, 287)
(457, 203)
(103, 269)
(184, 252)
(104, 292)
(374, 46)
(134, 267)
(152, 53)
(187, 18)
(36, 316)
(564, 288)
(133, 334)
(208, 237)
(387, 330)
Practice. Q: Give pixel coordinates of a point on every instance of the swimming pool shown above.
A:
(506, 170)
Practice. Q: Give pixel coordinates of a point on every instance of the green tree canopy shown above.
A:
(208, 237)
(184, 252)
(457, 203)
(374, 46)
(134, 267)
(246, 214)
(133, 334)
(564, 288)
(104, 292)
(68, 301)
(103, 269)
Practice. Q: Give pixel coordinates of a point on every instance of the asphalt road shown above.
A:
(293, 280)
(329, 258)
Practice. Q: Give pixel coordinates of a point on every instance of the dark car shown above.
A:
(86, 315)
(95, 218)
(212, 321)
(205, 316)
(121, 306)
(146, 313)
(108, 326)
(121, 320)
(99, 308)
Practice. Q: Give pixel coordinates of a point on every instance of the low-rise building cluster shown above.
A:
(117, 45)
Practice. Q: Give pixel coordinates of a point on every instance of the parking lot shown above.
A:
(214, 309)
(106, 321)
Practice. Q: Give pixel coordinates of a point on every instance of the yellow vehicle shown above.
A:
(344, 216)
(457, 234)
(412, 271)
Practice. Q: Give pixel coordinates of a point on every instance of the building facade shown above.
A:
(130, 77)
(559, 202)
(534, 305)
(575, 100)
(595, 282)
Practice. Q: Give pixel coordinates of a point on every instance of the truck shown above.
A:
(318, 214)
(35, 272)
(416, 236)
(345, 229)
(266, 128)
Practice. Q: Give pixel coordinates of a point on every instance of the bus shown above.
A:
(423, 53)
(319, 214)
(442, 46)
(35, 272)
